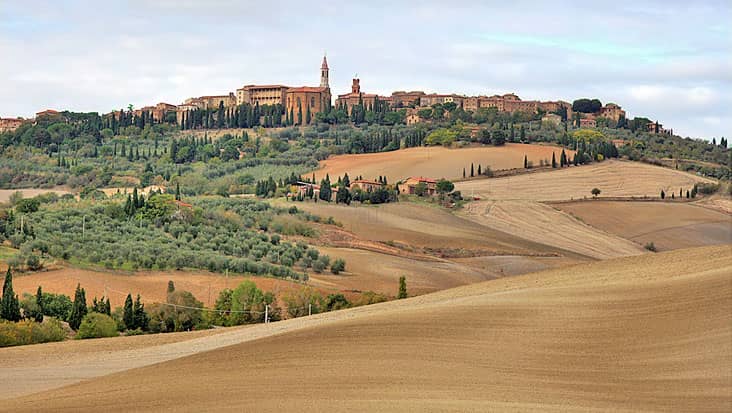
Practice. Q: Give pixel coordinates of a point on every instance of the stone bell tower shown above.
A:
(324, 74)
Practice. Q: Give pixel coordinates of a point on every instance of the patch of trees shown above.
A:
(586, 105)
(215, 234)
(241, 116)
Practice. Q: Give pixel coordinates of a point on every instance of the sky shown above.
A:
(670, 61)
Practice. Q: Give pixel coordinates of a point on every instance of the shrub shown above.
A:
(337, 266)
(30, 332)
(321, 263)
(95, 325)
(706, 188)
(650, 247)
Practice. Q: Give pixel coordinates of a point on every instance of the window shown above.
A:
(312, 102)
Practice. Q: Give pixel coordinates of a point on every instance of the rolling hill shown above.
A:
(644, 333)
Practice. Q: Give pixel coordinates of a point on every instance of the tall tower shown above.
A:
(324, 74)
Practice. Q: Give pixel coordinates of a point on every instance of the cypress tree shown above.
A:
(39, 302)
(526, 162)
(9, 306)
(141, 318)
(78, 309)
(472, 170)
(463, 172)
(663, 194)
(480, 171)
(128, 314)
(402, 287)
(563, 159)
(171, 286)
(177, 192)
(554, 161)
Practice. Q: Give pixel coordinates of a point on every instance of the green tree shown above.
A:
(526, 162)
(128, 315)
(96, 325)
(78, 309)
(402, 287)
(444, 186)
(171, 286)
(595, 192)
(140, 316)
(554, 160)
(337, 266)
(10, 305)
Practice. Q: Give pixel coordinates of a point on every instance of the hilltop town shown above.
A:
(280, 105)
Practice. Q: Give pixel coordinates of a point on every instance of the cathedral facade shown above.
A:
(303, 103)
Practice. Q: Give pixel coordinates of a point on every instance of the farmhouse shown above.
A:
(365, 185)
(410, 184)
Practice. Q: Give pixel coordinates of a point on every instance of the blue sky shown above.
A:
(667, 60)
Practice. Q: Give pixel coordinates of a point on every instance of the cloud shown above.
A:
(670, 61)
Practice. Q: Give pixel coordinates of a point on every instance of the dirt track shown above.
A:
(652, 332)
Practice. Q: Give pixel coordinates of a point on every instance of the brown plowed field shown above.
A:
(423, 226)
(645, 333)
(541, 223)
(151, 286)
(668, 225)
(436, 162)
(614, 178)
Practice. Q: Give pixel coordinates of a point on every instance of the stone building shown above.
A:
(434, 98)
(400, 99)
(301, 100)
(261, 94)
(349, 100)
(10, 124)
(588, 123)
(612, 111)
(158, 111)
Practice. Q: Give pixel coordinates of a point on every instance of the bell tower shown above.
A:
(324, 73)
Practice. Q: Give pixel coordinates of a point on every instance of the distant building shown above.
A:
(433, 99)
(657, 128)
(261, 94)
(410, 184)
(349, 100)
(365, 185)
(619, 142)
(552, 119)
(588, 123)
(299, 101)
(10, 124)
(413, 117)
(400, 99)
(47, 112)
(158, 111)
(612, 111)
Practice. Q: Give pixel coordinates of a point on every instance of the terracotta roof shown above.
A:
(309, 89)
(421, 179)
(183, 204)
(355, 95)
(47, 112)
(262, 87)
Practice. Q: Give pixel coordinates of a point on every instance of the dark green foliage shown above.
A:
(338, 266)
(10, 305)
(128, 314)
(78, 309)
(336, 302)
(402, 287)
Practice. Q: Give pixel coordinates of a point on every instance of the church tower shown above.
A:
(324, 74)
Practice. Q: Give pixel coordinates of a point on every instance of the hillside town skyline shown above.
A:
(320, 99)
